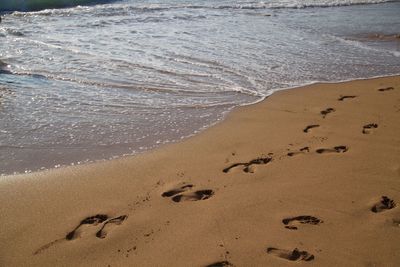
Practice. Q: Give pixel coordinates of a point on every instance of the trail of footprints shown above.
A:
(186, 192)
(293, 223)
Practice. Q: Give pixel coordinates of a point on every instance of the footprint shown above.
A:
(301, 151)
(309, 127)
(341, 98)
(336, 149)
(305, 219)
(385, 89)
(194, 196)
(396, 222)
(102, 233)
(367, 128)
(220, 264)
(295, 255)
(92, 220)
(327, 111)
(183, 193)
(247, 166)
(177, 190)
(385, 204)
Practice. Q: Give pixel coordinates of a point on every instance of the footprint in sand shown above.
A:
(248, 167)
(367, 128)
(220, 264)
(336, 149)
(327, 111)
(309, 127)
(290, 223)
(396, 222)
(385, 89)
(384, 204)
(108, 225)
(184, 193)
(92, 220)
(343, 97)
(303, 150)
(177, 190)
(294, 255)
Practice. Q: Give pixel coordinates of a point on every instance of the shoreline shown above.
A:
(223, 116)
(227, 191)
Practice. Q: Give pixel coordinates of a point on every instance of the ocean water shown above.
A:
(96, 82)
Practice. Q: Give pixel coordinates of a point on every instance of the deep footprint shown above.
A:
(327, 111)
(336, 149)
(247, 166)
(176, 191)
(385, 89)
(102, 233)
(341, 98)
(220, 264)
(367, 128)
(194, 196)
(309, 127)
(295, 255)
(385, 204)
(93, 220)
(291, 222)
(301, 151)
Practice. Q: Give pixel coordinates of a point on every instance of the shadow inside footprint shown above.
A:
(194, 196)
(327, 111)
(176, 191)
(367, 128)
(385, 204)
(385, 89)
(220, 264)
(336, 149)
(301, 151)
(102, 233)
(92, 220)
(305, 219)
(341, 98)
(309, 127)
(295, 255)
(247, 166)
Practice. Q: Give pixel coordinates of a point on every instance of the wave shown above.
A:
(36, 5)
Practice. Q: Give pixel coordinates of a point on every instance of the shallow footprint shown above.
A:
(385, 89)
(92, 220)
(220, 264)
(177, 190)
(309, 127)
(367, 128)
(194, 196)
(248, 167)
(102, 233)
(301, 151)
(304, 219)
(327, 111)
(294, 255)
(385, 204)
(341, 98)
(336, 149)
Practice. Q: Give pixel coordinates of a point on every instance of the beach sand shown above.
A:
(309, 175)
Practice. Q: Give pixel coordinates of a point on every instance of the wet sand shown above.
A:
(309, 175)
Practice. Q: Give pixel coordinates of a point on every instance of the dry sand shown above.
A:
(255, 190)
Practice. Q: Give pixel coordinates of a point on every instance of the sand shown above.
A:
(308, 177)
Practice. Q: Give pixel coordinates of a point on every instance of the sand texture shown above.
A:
(308, 177)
